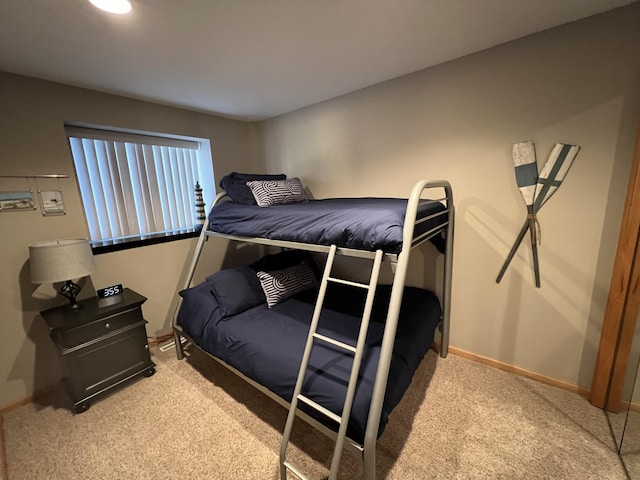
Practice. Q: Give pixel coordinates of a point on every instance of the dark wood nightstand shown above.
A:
(101, 347)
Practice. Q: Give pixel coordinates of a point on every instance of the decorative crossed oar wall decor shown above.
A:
(536, 190)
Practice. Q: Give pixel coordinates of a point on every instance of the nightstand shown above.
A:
(101, 347)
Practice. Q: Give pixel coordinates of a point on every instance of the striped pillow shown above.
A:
(282, 284)
(277, 192)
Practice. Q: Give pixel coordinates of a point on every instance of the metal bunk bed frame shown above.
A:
(368, 449)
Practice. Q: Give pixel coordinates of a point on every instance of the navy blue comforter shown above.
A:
(267, 344)
(359, 223)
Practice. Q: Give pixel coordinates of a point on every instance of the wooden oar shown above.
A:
(550, 178)
(526, 170)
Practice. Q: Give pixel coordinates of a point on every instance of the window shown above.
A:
(138, 188)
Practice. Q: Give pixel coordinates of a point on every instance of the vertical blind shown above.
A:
(135, 186)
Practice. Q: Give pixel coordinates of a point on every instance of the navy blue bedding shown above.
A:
(267, 344)
(359, 223)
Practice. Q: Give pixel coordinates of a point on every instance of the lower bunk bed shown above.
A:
(290, 341)
(228, 317)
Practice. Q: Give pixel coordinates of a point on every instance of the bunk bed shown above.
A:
(290, 345)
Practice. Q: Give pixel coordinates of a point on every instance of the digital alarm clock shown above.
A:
(109, 291)
(110, 295)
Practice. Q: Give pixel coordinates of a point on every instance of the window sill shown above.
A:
(109, 246)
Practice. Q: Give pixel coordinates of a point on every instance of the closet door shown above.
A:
(625, 419)
(629, 440)
(623, 303)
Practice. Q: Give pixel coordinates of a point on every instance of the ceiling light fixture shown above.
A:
(119, 7)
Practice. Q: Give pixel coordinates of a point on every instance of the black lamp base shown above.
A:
(70, 290)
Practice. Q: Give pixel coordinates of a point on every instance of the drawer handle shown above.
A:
(107, 325)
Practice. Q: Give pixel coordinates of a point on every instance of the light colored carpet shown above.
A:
(196, 420)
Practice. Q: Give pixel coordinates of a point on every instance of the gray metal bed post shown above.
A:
(386, 350)
(448, 273)
(187, 283)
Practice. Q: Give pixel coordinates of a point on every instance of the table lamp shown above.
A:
(62, 261)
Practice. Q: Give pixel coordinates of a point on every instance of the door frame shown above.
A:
(623, 302)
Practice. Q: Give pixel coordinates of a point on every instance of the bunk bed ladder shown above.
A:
(357, 351)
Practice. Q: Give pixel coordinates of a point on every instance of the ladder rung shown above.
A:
(337, 343)
(347, 282)
(320, 408)
(295, 471)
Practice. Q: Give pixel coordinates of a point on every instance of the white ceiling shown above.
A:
(255, 59)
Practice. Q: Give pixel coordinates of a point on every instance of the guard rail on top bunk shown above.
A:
(401, 259)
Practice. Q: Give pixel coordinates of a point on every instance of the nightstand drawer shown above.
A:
(83, 333)
(101, 364)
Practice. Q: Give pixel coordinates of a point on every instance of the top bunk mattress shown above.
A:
(358, 223)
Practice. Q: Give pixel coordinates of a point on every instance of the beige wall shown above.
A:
(32, 141)
(575, 84)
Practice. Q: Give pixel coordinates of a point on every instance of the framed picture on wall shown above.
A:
(16, 201)
(51, 202)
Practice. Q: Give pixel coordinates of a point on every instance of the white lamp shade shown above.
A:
(60, 260)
